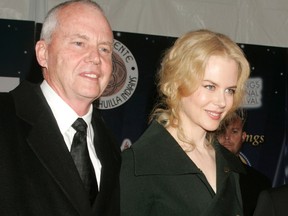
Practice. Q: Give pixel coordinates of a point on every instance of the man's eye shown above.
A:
(105, 49)
(78, 43)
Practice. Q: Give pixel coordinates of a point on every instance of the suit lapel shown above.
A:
(109, 157)
(98, 141)
(46, 141)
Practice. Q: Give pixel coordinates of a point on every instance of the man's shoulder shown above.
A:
(5, 96)
(257, 176)
(6, 101)
(253, 171)
(25, 88)
(281, 191)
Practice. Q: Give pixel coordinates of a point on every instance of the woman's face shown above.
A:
(208, 105)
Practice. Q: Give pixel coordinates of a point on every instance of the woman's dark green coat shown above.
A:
(159, 179)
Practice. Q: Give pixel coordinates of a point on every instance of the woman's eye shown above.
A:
(210, 87)
(230, 91)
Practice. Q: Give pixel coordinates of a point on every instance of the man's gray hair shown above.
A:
(51, 20)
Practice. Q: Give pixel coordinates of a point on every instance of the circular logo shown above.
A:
(124, 78)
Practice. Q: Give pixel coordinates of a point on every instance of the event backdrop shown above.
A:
(130, 96)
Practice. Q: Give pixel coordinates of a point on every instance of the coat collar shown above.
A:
(157, 152)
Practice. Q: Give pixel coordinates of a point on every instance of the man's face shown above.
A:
(233, 136)
(78, 61)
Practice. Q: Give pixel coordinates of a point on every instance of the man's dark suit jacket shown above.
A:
(37, 174)
(251, 184)
(273, 202)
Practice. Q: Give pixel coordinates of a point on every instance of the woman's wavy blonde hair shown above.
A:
(182, 70)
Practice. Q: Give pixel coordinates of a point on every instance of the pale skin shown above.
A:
(233, 136)
(77, 63)
(203, 110)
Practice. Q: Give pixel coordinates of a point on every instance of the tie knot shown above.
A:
(80, 125)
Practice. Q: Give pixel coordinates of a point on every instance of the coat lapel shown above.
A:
(46, 141)
(170, 156)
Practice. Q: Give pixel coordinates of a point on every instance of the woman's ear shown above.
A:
(41, 53)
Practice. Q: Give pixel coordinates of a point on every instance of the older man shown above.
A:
(57, 157)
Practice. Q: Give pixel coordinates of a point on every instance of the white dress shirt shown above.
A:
(65, 117)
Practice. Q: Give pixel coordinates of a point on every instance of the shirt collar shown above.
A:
(59, 106)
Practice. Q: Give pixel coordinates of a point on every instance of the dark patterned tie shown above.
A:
(80, 155)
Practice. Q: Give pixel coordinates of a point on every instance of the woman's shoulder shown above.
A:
(155, 132)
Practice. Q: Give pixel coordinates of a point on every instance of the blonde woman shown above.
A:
(176, 167)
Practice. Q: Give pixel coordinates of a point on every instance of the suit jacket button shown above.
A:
(226, 169)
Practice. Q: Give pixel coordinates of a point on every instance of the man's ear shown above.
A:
(41, 50)
(244, 134)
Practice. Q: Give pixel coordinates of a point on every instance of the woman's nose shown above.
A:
(220, 99)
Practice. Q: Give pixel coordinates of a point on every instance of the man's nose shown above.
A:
(94, 57)
(227, 136)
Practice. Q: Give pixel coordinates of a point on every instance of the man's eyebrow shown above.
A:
(79, 36)
(107, 43)
(85, 37)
